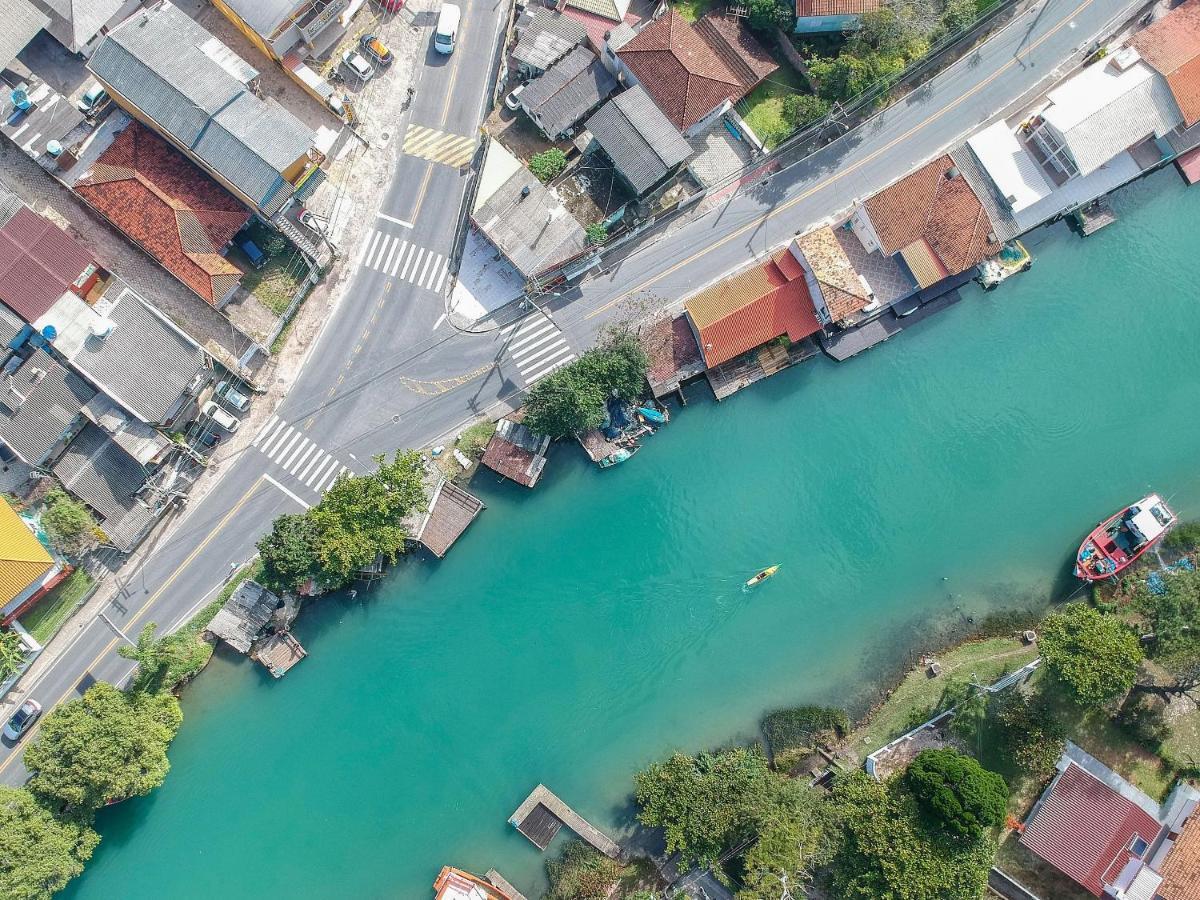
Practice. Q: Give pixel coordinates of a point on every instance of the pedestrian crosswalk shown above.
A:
(537, 347)
(285, 446)
(398, 258)
(439, 146)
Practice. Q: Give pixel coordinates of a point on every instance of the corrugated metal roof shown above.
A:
(546, 37)
(244, 617)
(1084, 828)
(75, 22)
(568, 90)
(38, 263)
(38, 404)
(23, 559)
(156, 61)
(264, 16)
(22, 21)
(638, 138)
(609, 9)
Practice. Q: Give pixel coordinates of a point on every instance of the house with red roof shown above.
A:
(694, 73)
(166, 205)
(739, 320)
(1109, 837)
(455, 884)
(39, 263)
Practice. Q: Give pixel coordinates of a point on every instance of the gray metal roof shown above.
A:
(180, 76)
(33, 426)
(145, 363)
(568, 90)
(22, 21)
(75, 22)
(97, 471)
(638, 138)
(532, 231)
(546, 37)
(244, 616)
(264, 16)
(10, 325)
(141, 441)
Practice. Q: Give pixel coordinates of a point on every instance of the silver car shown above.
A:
(22, 720)
(235, 398)
(355, 62)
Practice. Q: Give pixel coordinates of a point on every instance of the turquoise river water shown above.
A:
(579, 631)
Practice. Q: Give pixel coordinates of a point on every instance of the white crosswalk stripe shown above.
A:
(397, 258)
(298, 456)
(537, 347)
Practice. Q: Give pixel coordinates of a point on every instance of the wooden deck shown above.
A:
(501, 884)
(278, 653)
(542, 814)
(755, 365)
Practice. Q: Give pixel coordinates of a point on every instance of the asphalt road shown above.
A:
(389, 371)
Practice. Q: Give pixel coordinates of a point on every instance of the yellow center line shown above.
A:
(842, 173)
(144, 609)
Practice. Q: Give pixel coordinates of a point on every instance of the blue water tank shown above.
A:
(49, 332)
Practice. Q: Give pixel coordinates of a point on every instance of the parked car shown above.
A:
(354, 61)
(446, 32)
(376, 49)
(22, 719)
(220, 416)
(513, 100)
(235, 398)
(93, 98)
(257, 258)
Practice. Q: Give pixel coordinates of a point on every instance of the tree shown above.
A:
(899, 29)
(361, 516)
(850, 74)
(581, 873)
(959, 15)
(105, 746)
(706, 803)
(765, 15)
(801, 109)
(1094, 655)
(572, 399)
(164, 662)
(886, 852)
(39, 854)
(960, 794)
(793, 841)
(12, 653)
(597, 233)
(1029, 733)
(288, 553)
(547, 164)
(68, 524)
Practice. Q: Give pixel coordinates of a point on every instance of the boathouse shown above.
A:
(245, 616)
(456, 884)
(516, 452)
(673, 355)
(451, 509)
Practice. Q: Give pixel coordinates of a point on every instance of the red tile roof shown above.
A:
(38, 263)
(1172, 47)
(596, 26)
(1084, 829)
(753, 307)
(684, 76)
(806, 8)
(169, 207)
(944, 212)
(740, 50)
(1181, 869)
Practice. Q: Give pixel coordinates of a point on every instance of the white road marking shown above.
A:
(282, 432)
(557, 364)
(271, 423)
(369, 245)
(320, 455)
(441, 319)
(538, 348)
(387, 218)
(304, 442)
(399, 257)
(442, 277)
(286, 491)
(282, 448)
(412, 252)
(396, 245)
(292, 470)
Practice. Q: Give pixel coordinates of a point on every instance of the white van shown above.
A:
(446, 32)
(220, 416)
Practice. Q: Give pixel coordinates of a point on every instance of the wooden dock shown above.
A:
(542, 814)
(501, 884)
(278, 653)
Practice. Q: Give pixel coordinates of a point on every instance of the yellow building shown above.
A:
(27, 570)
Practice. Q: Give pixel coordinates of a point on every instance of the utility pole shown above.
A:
(122, 635)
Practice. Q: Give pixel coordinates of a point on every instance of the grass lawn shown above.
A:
(275, 283)
(762, 109)
(1041, 878)
(918, 697)
(49, 613)
(692, 10)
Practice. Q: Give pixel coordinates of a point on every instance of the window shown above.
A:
(1138, 847)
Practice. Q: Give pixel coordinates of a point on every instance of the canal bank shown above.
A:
(584, 629)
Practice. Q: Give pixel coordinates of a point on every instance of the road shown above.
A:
(389, 371)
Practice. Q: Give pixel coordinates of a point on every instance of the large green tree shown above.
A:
(288, 553)
(793, 841)
(572, 399)
(957, 792)
(107, 745)
(886, 852)
(39, 853)
(708, 803)
(68, 524)
(12, 652)
(164, 662)
(1028, 731)
(1095, 655)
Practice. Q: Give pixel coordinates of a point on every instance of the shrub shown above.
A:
(473, 441)
(1094, 655)
(69, 524)
(803, 727)
(12, 653)
(581, 873)
(957, 792)
(1144, 717)
(1185, 537)
(41, 853)
(597, 233)
(548, 164)
(1029, 733)
(801, 109)
(767, 14)
(959, 15)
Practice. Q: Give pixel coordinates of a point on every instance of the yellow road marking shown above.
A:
(842, 173)
(439, 146)
(144, 609)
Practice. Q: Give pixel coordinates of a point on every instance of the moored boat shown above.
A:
(617, 457)
(762, 576)
(1117, 542)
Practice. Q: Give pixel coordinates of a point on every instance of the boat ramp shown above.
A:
(542, 814)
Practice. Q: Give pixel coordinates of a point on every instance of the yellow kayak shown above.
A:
(762, 576)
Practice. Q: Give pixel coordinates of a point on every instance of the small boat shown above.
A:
(654, 416)
(617, 458)
(762, 576)
(1117, 542)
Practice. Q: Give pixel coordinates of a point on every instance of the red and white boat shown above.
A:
(1119, 540)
